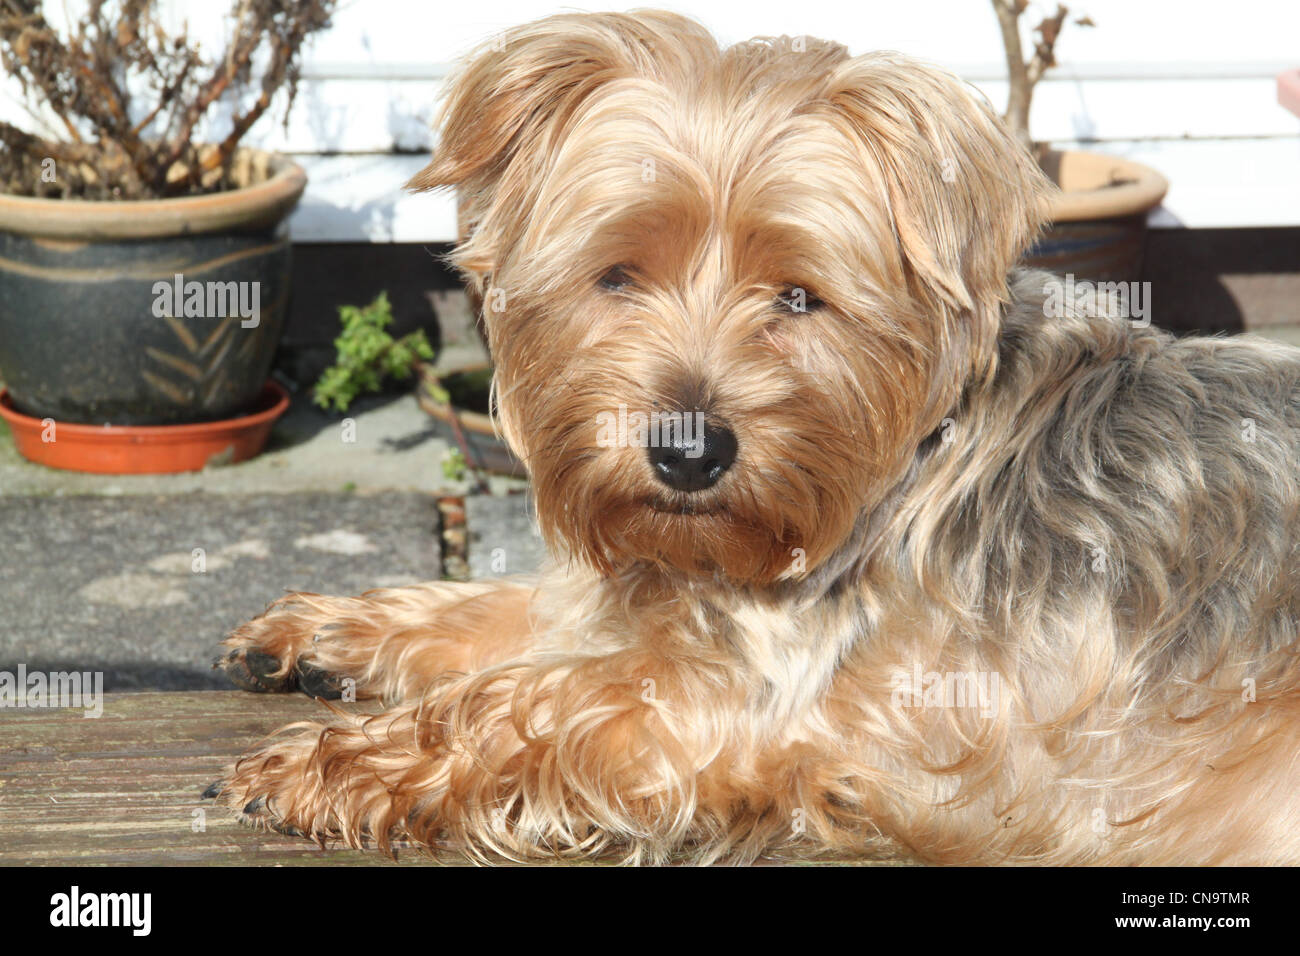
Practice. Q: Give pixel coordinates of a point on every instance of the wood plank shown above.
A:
(1220, 183)
(360, 199)
(396, 114)
(387, 114)
(124, 789)
(1213, 183)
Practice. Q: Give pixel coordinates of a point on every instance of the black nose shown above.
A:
(692, 461)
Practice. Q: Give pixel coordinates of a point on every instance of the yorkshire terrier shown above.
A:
(876, 546)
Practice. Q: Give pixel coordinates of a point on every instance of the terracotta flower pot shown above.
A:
(1099, 219)
(157, 449)
(152, 312)
(463, 420)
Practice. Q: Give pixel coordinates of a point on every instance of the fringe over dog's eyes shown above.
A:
(798, 300)
(793, 299)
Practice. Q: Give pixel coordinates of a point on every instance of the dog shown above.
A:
(851, 540)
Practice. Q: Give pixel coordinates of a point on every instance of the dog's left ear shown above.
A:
(965, 197)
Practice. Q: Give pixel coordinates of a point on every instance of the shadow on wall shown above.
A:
(328, 275)
(1210, 281)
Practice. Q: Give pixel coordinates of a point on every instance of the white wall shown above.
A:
(1187, 86)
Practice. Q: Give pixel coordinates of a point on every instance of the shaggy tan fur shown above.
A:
(937, 485)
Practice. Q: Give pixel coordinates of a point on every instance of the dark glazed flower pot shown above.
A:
(92, 329)
(1098, 222)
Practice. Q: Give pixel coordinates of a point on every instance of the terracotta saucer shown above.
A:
(136, 450)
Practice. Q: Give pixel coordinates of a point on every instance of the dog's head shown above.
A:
(727, 292)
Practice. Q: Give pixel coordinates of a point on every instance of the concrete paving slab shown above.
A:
(503, 536)
(96, 571)
(142, 587)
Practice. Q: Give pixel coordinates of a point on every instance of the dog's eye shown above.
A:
(615, 280)
(798, 300)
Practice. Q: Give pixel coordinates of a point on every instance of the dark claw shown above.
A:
(317, 682)
(213, 791)
(258, 807)
(253, 670)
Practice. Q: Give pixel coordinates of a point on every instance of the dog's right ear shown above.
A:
(502, 98)
(506, 108)
(498, 107)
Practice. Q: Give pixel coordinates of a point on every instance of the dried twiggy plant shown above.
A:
(1024, 74)
(129, 96)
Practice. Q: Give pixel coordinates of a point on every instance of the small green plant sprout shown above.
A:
(367, 355)
(438, 392)
(454, 465)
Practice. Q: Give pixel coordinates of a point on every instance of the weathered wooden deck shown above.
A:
(124, 789)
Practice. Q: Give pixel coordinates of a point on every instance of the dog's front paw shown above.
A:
(270, 789)
(252, 670)
(315, 681)
(332, 783)
(272, 653)
(256, 813)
